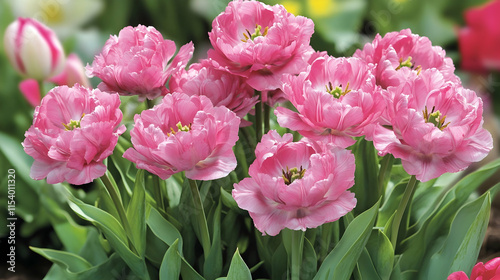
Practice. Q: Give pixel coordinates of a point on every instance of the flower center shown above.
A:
(337, 92)
(293, 174)
(409, 64)
(180, 127)
(53, 12)
(435, 117)
(73, 124)
(257, 33)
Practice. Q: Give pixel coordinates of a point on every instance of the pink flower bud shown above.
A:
(73, 73)
(33, 49)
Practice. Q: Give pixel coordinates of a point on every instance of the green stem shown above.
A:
(200, 218)
(267, 118)
(297, 250)
(110, 185)
(327, 233)
(258, 118)
(150, 103)
(384, 173)
(403, 205)
(41, 87)
(247, 135)
(158, 193)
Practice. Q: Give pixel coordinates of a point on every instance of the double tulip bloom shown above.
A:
(404, 50)
(435, 126)
(296, 185)
(33, 49)
(260, 42)
(138, 62)
(74, 130)
(185, 133)
(336, 98)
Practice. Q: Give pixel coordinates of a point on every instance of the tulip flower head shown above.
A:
(63, 16)
(185, 133)
(481, 271)
(479, 40)
(33, 49)
(403, 49)
(434, 126)
(138, 62)
(260, 42)
(336, 98)
(296, 185)
(74, 130)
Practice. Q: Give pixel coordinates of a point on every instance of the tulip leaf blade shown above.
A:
(170, 268)
(341, 261)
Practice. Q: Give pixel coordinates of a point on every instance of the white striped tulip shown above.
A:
(33, 49)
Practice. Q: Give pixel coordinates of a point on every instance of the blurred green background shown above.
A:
(341, 27)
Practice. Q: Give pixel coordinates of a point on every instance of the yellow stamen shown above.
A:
(337, 92)
(436, 118)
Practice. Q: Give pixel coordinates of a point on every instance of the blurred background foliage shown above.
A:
(341, 26)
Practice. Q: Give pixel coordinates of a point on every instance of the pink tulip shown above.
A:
(138, 62)
(73, 73)
(221, 87)
(434, 126)
(260, 42)
(296, 185)
(488, 271)
(31, 91)
(399, 50)
(185, 133)
(336, 98)
(479, 40)
(33, 49)
(74, 130)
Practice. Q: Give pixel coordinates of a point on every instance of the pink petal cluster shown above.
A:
(221, 87)
(296, 185)
(74, 130)
(138, 62)
(479, 40)
(398, 50)
(185, 133)
(336, 99)
(260, 42)
(33, 49)
(434, 126)
(73, 73)
(488, 271)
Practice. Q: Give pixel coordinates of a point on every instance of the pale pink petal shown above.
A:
(31, 91)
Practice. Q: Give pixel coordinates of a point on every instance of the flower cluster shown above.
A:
(430, 121)
(399, 92)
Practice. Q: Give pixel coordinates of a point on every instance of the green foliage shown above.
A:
(341, 261)
(238, 268)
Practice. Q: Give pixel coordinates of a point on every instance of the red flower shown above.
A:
(488, 271)
(479, 40)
